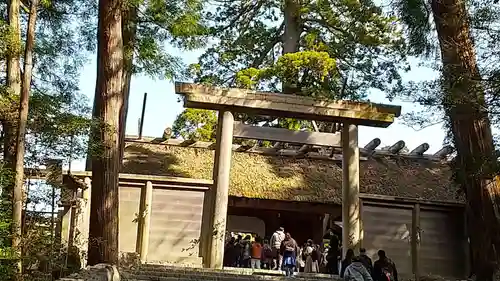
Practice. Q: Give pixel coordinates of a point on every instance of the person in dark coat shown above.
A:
(347, 261)
(384, 269)
(246, 252)
(366, 260)
(333, 254)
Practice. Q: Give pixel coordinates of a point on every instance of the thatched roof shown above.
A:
(285, 178)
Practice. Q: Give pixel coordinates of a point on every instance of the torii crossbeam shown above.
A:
(228, 100)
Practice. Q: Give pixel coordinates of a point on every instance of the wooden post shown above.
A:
(206, 227)
(361, 229)
(66, 225)
(350, 188)
(326, 222)
(144, 221)
(467, 248)
(208, 208)
(415, 240)
(86, 193)
(221, 188)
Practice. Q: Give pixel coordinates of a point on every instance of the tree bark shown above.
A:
(103, 233)
(8, 113)
(17, 211)
(291, 37)
(129, 29)
(466, 109)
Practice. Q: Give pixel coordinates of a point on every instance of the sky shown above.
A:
(162, 108)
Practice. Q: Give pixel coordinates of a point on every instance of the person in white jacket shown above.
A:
(275, 243)
(356, 271)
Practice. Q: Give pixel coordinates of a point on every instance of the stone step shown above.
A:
(233, 277)
(231, 270)
(149, 277)
(226, 274)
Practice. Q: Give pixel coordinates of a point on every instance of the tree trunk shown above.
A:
(466, 109)
(291, 37)
(129, 29)
(14, 89)
(103, 233)
(17, 212)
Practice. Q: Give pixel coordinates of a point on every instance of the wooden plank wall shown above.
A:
(441, 253)
(175, 226)
(388, 229)
(394, 227)
(128, 210)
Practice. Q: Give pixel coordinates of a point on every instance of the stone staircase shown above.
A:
(150, 272)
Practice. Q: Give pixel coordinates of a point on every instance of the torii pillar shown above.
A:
(351, 217)
(220, 190)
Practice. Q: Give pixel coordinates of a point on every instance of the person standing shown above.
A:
(267, 255)
(384, 269)
(245, 252)
(301, 259)
(357, 271)
(366, 260)
(256, 253)
(276, 240)
(289, 250)
(346, 262)
(333, 254)
(311, 254)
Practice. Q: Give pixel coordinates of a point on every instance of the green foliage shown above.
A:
(417, 17)
(345, 48)
(365, 45)
(166, 21)
(195, 124)
(314, 69)
(58, 119)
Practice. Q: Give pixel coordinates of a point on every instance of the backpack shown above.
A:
(268, 252)
(387, 272)
(315, 254)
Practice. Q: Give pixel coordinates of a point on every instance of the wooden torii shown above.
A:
(228, 100)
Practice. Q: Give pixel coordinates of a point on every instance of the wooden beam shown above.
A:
(276, 150)
(297, 98)
(293, 106)
(154, 179)
(279, 205)
(285, 135)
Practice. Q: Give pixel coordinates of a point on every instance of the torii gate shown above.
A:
(226, 101)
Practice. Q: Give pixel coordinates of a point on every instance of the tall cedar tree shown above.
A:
(103, 233)
(146, 27)
(22, 122)
(328, 48)
(13, 83)
(8, 120)
(466, 110)
(52, 120)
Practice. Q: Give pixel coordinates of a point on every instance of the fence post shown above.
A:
(415, 241)
(85, 227)
(144, 221)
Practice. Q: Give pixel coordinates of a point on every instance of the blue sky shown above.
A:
(163, 107)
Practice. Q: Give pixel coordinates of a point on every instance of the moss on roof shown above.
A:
(284, 178)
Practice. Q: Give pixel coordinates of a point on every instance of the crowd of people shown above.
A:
(281, 252)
